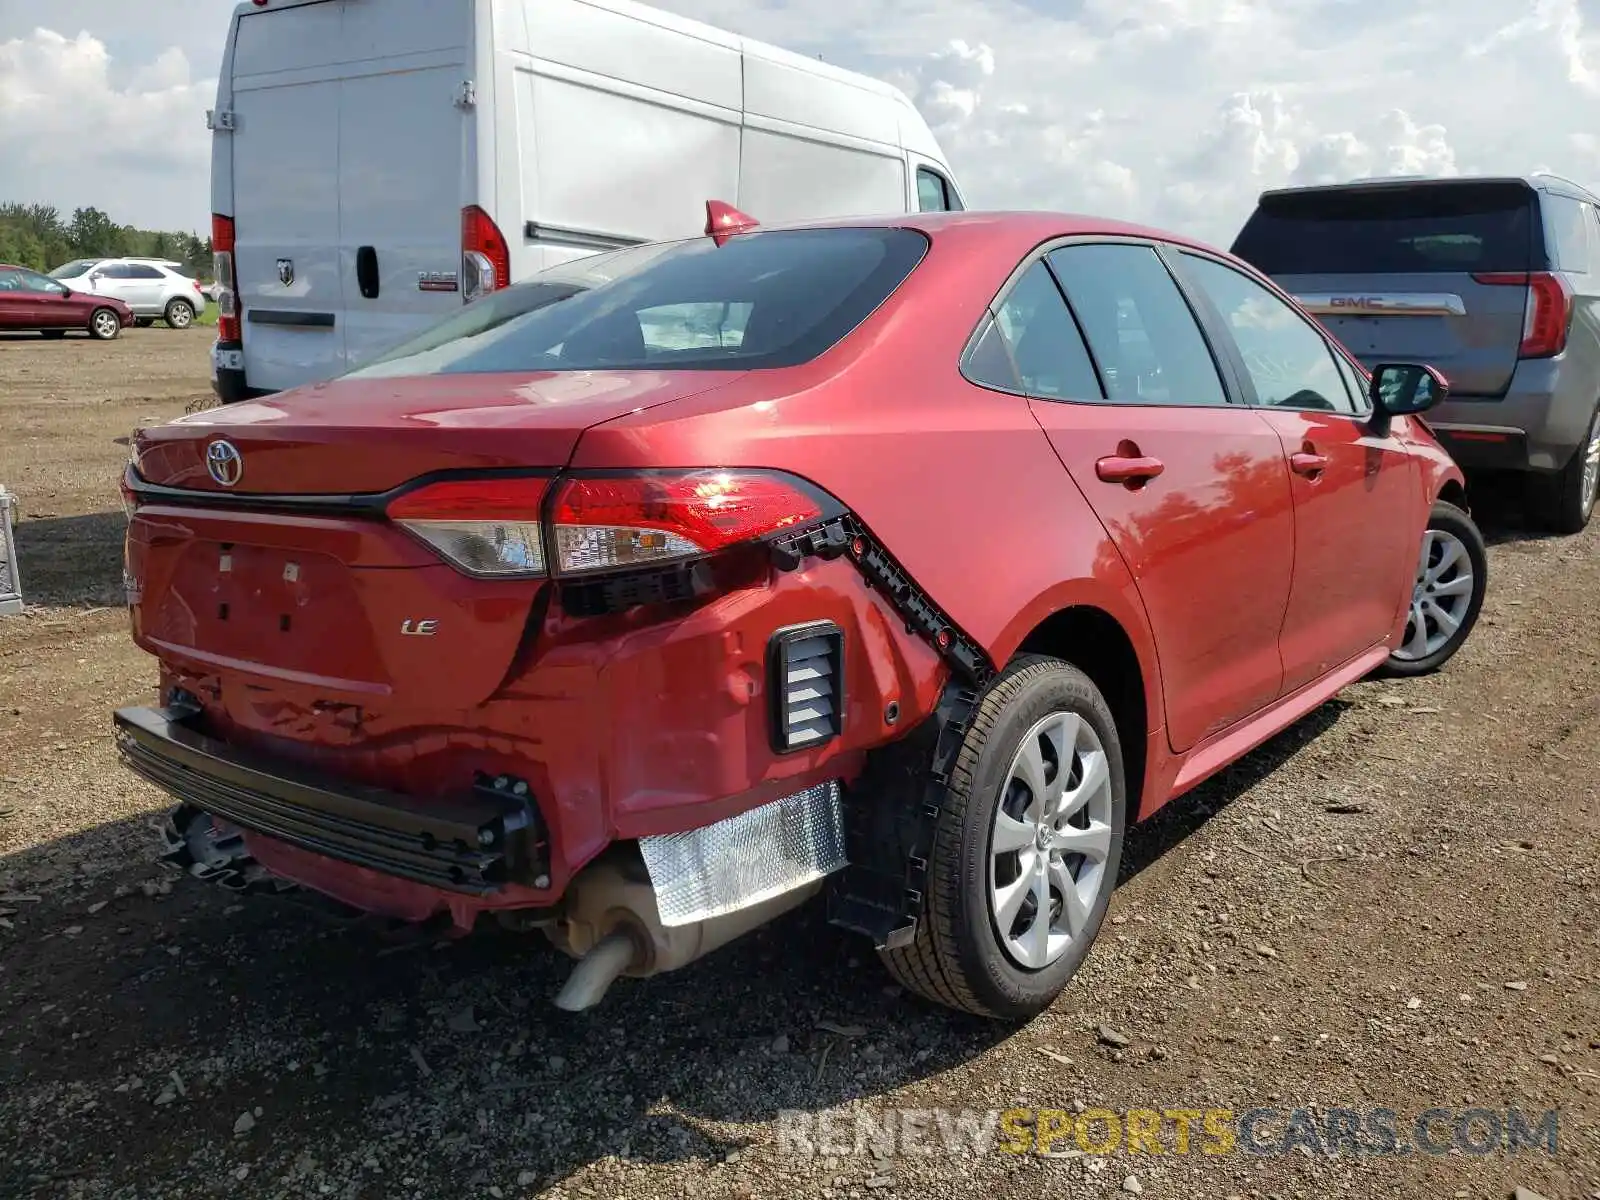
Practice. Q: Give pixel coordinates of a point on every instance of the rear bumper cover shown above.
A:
(1537, 425)
(475, 845)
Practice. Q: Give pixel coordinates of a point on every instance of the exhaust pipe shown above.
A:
(596, 972)
(613, 928)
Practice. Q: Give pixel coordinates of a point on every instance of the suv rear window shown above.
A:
(1392, 230)
(757, 301)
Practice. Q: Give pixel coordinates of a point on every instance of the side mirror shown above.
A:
(1403, 390)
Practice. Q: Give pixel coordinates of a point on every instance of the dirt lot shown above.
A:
(1395, 904)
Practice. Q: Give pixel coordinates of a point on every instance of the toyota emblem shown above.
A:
(224, 463)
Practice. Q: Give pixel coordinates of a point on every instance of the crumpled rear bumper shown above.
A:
(490, 842)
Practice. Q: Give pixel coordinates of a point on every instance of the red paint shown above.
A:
(52, 307)
(1257, 560)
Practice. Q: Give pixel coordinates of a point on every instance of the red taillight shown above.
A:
(639, 520)
(487, 527)
(222, 242)
(1549, 312)
(492, 527)
(485, 256)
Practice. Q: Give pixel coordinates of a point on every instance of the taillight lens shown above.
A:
(485, 256)
(486, 527)
(1549, 312)
(222, 242)
(601, 524)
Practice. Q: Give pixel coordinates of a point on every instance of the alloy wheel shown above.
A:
(106, 324)
(1440, 598)
(1591, 469)
(179, 316)
(1050, 840)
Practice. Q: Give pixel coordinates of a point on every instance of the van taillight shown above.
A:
(485, 256)
(228, 329)
(1549, 311)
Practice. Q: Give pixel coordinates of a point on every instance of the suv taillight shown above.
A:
(499, 528)
(1549, 312)
(222, 241)
(485, 256)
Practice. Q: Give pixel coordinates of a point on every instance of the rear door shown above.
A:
(18, 304)
(347, 177)
(1411, 271)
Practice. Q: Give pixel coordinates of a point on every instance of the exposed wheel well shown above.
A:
(1092, 640)
(1454, 493)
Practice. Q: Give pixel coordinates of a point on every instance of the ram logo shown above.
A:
(414, 628)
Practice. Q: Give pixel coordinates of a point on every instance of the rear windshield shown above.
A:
(758, 300)
(1467, 227)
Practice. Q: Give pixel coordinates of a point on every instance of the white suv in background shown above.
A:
(152, 287)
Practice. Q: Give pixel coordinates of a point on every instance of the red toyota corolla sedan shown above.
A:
(910, 561)
(29, 300)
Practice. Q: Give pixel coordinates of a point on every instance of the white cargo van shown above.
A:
(377, 162)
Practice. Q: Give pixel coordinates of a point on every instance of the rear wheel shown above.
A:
(1566, 500)
(1026, 849)
(179, 314)
(1452, 572)
(104, 324)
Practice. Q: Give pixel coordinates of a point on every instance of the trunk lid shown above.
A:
(331, 603)
(1395, 270)
(347, 178)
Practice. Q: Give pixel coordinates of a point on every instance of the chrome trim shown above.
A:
(1458, 427)
(582, 239)
(1380, 304)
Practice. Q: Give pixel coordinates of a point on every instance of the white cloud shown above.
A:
(1174, 112)
(71, 136)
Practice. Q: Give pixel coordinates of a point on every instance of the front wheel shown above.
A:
(1026, 847)
(104, 324)
(1452, 573)
(179, 314)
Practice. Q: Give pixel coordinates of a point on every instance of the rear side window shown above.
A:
(1145, 339)
(934, 193)
(11, 281)
(1568, 223)
(761, 300)
(1048, 354)
(1394, 230)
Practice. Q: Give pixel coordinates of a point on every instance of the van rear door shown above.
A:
(1410, 271)
(347, 178)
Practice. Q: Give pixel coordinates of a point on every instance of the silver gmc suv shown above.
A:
(1495, 281)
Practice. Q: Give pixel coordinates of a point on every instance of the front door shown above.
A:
(1353, 490)
(1191, 488)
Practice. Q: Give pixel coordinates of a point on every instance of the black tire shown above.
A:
(52, 334)
(1447, 517)
(179, 314)
(956, 958)
(1563, 502)
(101, 329)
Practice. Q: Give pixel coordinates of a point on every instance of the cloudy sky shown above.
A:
(1175, 112)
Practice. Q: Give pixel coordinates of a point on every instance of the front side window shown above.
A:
(112, 271)
(32, 281)
(1288, 361)
(760, 300)
(1033, 344)
(73, 269)
(934, 194)
(142, 271)
(1145, 339)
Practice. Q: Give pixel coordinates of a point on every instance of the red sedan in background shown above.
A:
(914, 559)
(29, 300)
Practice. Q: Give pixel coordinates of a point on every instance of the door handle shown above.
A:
(1308, 463)
(1131, 470)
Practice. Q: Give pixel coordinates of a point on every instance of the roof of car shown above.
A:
(1009, 225)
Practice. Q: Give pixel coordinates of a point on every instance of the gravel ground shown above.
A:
(1393, 904)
